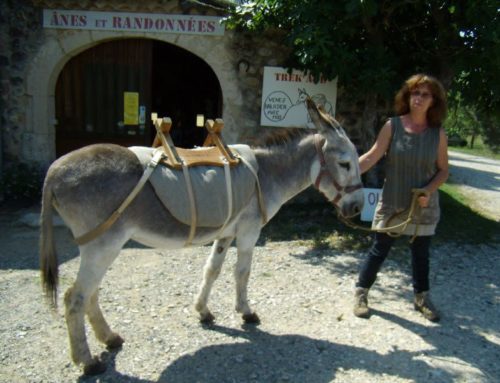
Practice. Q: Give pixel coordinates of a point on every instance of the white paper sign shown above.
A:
(284, 95)
(371, 199)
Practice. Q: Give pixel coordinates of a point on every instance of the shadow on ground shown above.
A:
(262, 357)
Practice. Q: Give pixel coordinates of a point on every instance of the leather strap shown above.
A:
(192, 204)
(323, 171)
(97, 231)
(260, 198)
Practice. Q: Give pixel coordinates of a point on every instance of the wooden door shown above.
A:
(90, 95)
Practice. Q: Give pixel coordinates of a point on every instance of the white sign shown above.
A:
(132, 22)
(284, 95)
(371, 199)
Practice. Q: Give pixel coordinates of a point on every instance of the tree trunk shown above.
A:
(369, 121)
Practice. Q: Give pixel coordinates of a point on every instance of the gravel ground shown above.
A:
(303, 297)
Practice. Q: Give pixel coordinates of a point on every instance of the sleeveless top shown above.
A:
(411, 163)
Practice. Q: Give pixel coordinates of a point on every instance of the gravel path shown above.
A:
(302, 295)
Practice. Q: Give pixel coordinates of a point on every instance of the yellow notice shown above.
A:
(131, 108)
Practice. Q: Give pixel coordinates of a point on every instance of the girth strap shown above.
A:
(192, 204)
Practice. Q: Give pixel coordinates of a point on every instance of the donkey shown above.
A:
(85, 186)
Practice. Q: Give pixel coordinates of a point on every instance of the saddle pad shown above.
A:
(209, 187)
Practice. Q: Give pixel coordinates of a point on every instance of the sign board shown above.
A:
(132, 22)
(371, 199)
(131, 108)
(284, 95)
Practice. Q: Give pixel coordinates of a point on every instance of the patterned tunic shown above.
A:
(411, 163)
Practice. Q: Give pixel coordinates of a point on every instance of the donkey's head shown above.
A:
(336, 174)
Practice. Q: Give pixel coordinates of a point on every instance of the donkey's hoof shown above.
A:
(115, 342)
(95, 367)
(251, 318)
(207, 318)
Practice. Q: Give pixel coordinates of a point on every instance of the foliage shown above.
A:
(466, 121)
(21, 181)
(479, 149)
(372, 46)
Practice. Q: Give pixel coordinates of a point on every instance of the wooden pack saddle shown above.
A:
(213, 153)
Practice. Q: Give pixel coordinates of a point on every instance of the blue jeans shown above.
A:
(378, 253)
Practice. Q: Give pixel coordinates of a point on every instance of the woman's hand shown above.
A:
(423, 196)
(423, 200)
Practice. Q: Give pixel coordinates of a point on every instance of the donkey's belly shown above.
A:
(176, 238)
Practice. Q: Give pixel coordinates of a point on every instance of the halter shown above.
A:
(341, 190)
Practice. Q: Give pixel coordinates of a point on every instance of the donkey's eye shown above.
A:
(345, 165)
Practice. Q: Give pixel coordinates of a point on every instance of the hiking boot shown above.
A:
(423, 304)
(361, 309)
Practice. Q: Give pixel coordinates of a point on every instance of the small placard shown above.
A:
(131, 108)
(371, 199)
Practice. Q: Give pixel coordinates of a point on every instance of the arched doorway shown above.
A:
(165, 79)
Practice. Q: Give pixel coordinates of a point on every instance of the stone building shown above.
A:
(66, 65)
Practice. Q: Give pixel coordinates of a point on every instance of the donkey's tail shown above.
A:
(49, 266)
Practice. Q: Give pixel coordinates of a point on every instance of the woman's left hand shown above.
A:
(423, 200)
(423, 196)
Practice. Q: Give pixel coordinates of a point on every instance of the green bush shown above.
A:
(21, 182)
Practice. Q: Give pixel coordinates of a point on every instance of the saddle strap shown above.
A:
(192, 204)
(97, 231)
(260, 198)
(229, 192)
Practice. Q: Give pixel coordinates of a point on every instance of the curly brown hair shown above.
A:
(437, 112)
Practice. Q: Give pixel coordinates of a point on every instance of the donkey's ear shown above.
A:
(320, 118)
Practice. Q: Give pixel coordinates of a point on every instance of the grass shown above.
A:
(480, 149)
(317, 225)
(459, 223)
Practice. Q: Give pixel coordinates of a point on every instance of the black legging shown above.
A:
(378, 253)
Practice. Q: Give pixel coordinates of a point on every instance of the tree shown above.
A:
(372, 46)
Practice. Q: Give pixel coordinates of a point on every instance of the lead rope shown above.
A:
(402, 226)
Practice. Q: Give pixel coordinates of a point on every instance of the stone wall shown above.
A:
(20, 38)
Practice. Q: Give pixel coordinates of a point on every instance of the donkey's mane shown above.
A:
(280, 137)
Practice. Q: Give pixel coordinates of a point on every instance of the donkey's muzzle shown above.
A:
(351, 209)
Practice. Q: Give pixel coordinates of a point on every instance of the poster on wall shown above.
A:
(284, 95)
(131, 108)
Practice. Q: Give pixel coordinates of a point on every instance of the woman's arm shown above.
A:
(442, 169)
(381, 145)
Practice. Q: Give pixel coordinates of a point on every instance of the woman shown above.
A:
(417, 157)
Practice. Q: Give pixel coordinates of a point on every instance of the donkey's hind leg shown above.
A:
(101, 328)
(210, 274)
(78, 300)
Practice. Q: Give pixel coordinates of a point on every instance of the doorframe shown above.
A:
(38, 144)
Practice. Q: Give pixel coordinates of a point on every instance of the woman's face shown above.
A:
(421, 98)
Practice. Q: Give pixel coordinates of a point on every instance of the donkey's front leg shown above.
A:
(242, 274)
(101, 328)
(210, 274)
